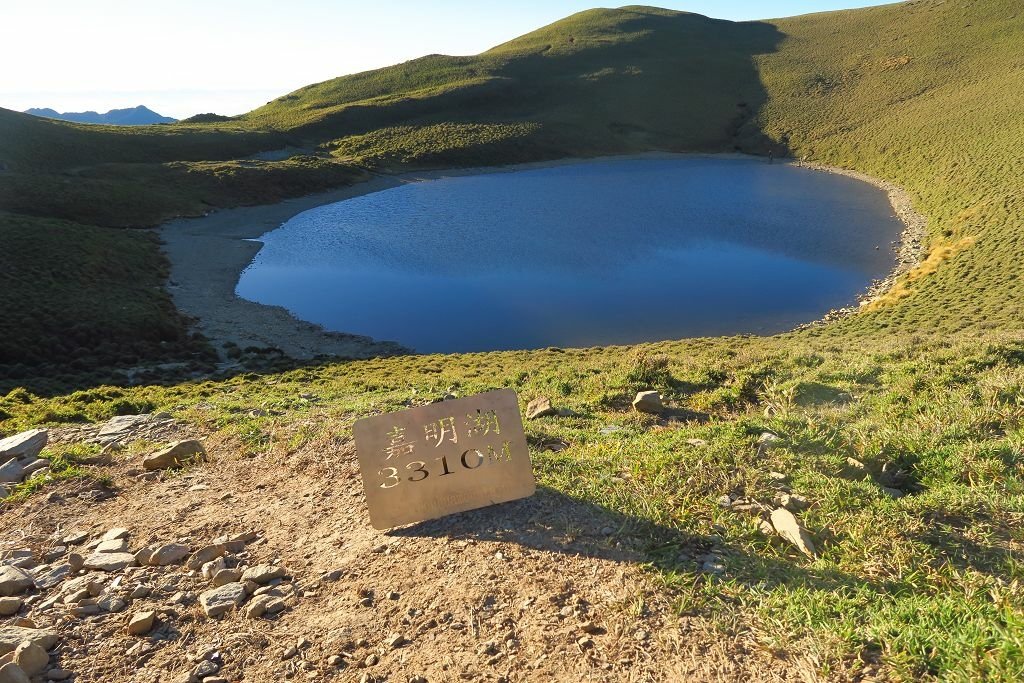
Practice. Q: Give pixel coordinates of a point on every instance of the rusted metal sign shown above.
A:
(443, 458)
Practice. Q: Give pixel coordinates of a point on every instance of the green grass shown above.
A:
(928, 94)
(926, 586)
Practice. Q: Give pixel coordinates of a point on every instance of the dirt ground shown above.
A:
(534, 590)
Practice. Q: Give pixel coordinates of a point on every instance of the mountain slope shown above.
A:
(134, 116)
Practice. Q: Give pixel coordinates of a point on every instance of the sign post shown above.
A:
(443, 458)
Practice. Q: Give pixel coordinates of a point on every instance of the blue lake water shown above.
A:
(585, 254)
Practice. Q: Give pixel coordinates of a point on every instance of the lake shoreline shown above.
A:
(208, 254)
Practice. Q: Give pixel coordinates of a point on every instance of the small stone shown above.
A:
(263, 573)
(792, 502)
(892, 493)
(769, 440)
(74, 537)
(212, 567)
(48, 577)
(12, 673)
(585, 643)
(540, 407)
(140, 591)
(172, 553)
(276, 605)
(9, 606)
(217, 601)
(226, 576)
(789, 529)
(648, 402)
(257, 607)
(176, 455)
(14, 580)
(855, 463)
(31, 658)
(205, 554)
(110, 562)
(114, 545)
(777, 476)
(114, 534)
(289, 652)
(697, 442)
(395, 640)
(335, 661)
(111, 603)
(724, 501)
(371, 660)
(141, 623)
(76, 562)
(58, 674)
(205, 668)
(591, 628)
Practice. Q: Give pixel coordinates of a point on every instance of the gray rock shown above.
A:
(540, 407)
(4, 492)
(48, 577)
(12, 636)
(111, 603)
(24, 445)
(172, 553)
(117, 428)
(14, 580)
(58, 674)
(176, 455)
(12, 673)
(110, 562)
(648, 402)
(222, 599)
(11, 472)
(34, 466)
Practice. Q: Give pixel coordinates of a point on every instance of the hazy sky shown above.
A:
(229, 56)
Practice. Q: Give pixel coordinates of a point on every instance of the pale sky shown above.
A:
(229, 56)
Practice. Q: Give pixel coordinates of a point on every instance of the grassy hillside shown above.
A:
(924, 387)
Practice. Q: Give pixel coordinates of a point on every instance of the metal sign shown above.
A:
(443, 458)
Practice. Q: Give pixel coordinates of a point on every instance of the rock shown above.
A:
(395, 640)
(855, 463)
(24, 445)
(892, 493)
(172, 553)
(4, 492)
(109, 562)
(765, 527)
(263, 573)
(788, 527)
(648, 402)
(48, 577)
(226, 576)
(792, 502)
(9, 606)
(217, 601)
(591, 628)
(724, 501)
(13, 580)
(697, 442)
(31, 658)
(141, 623)
(769, 440)
(205, 668)
(139, 592)
(34, 466)
(540, 407)
(257, 607)
(12, 673)
(176, 455)
(777, 476)
(11, 473)
(276, 605)
(205, 554)
(12, 636)
(111, 603)
(75, 561)
(75, 537)
(212, 567)
(143, 555)
(122, 426)
(114, 534)
(58, 674)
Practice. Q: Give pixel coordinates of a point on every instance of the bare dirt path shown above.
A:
(535, 590)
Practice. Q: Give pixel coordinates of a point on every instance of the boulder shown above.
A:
(540, 407)
(12, 673)
(648, 402)
(222, 599)
(176, 455)
(31, 658)
(12, 636)
(24, 445)
(14, 580)
(109, 562)
(788, 528)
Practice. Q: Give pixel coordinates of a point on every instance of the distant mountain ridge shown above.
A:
(135, 116)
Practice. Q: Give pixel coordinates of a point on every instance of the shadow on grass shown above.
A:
(555, 522)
